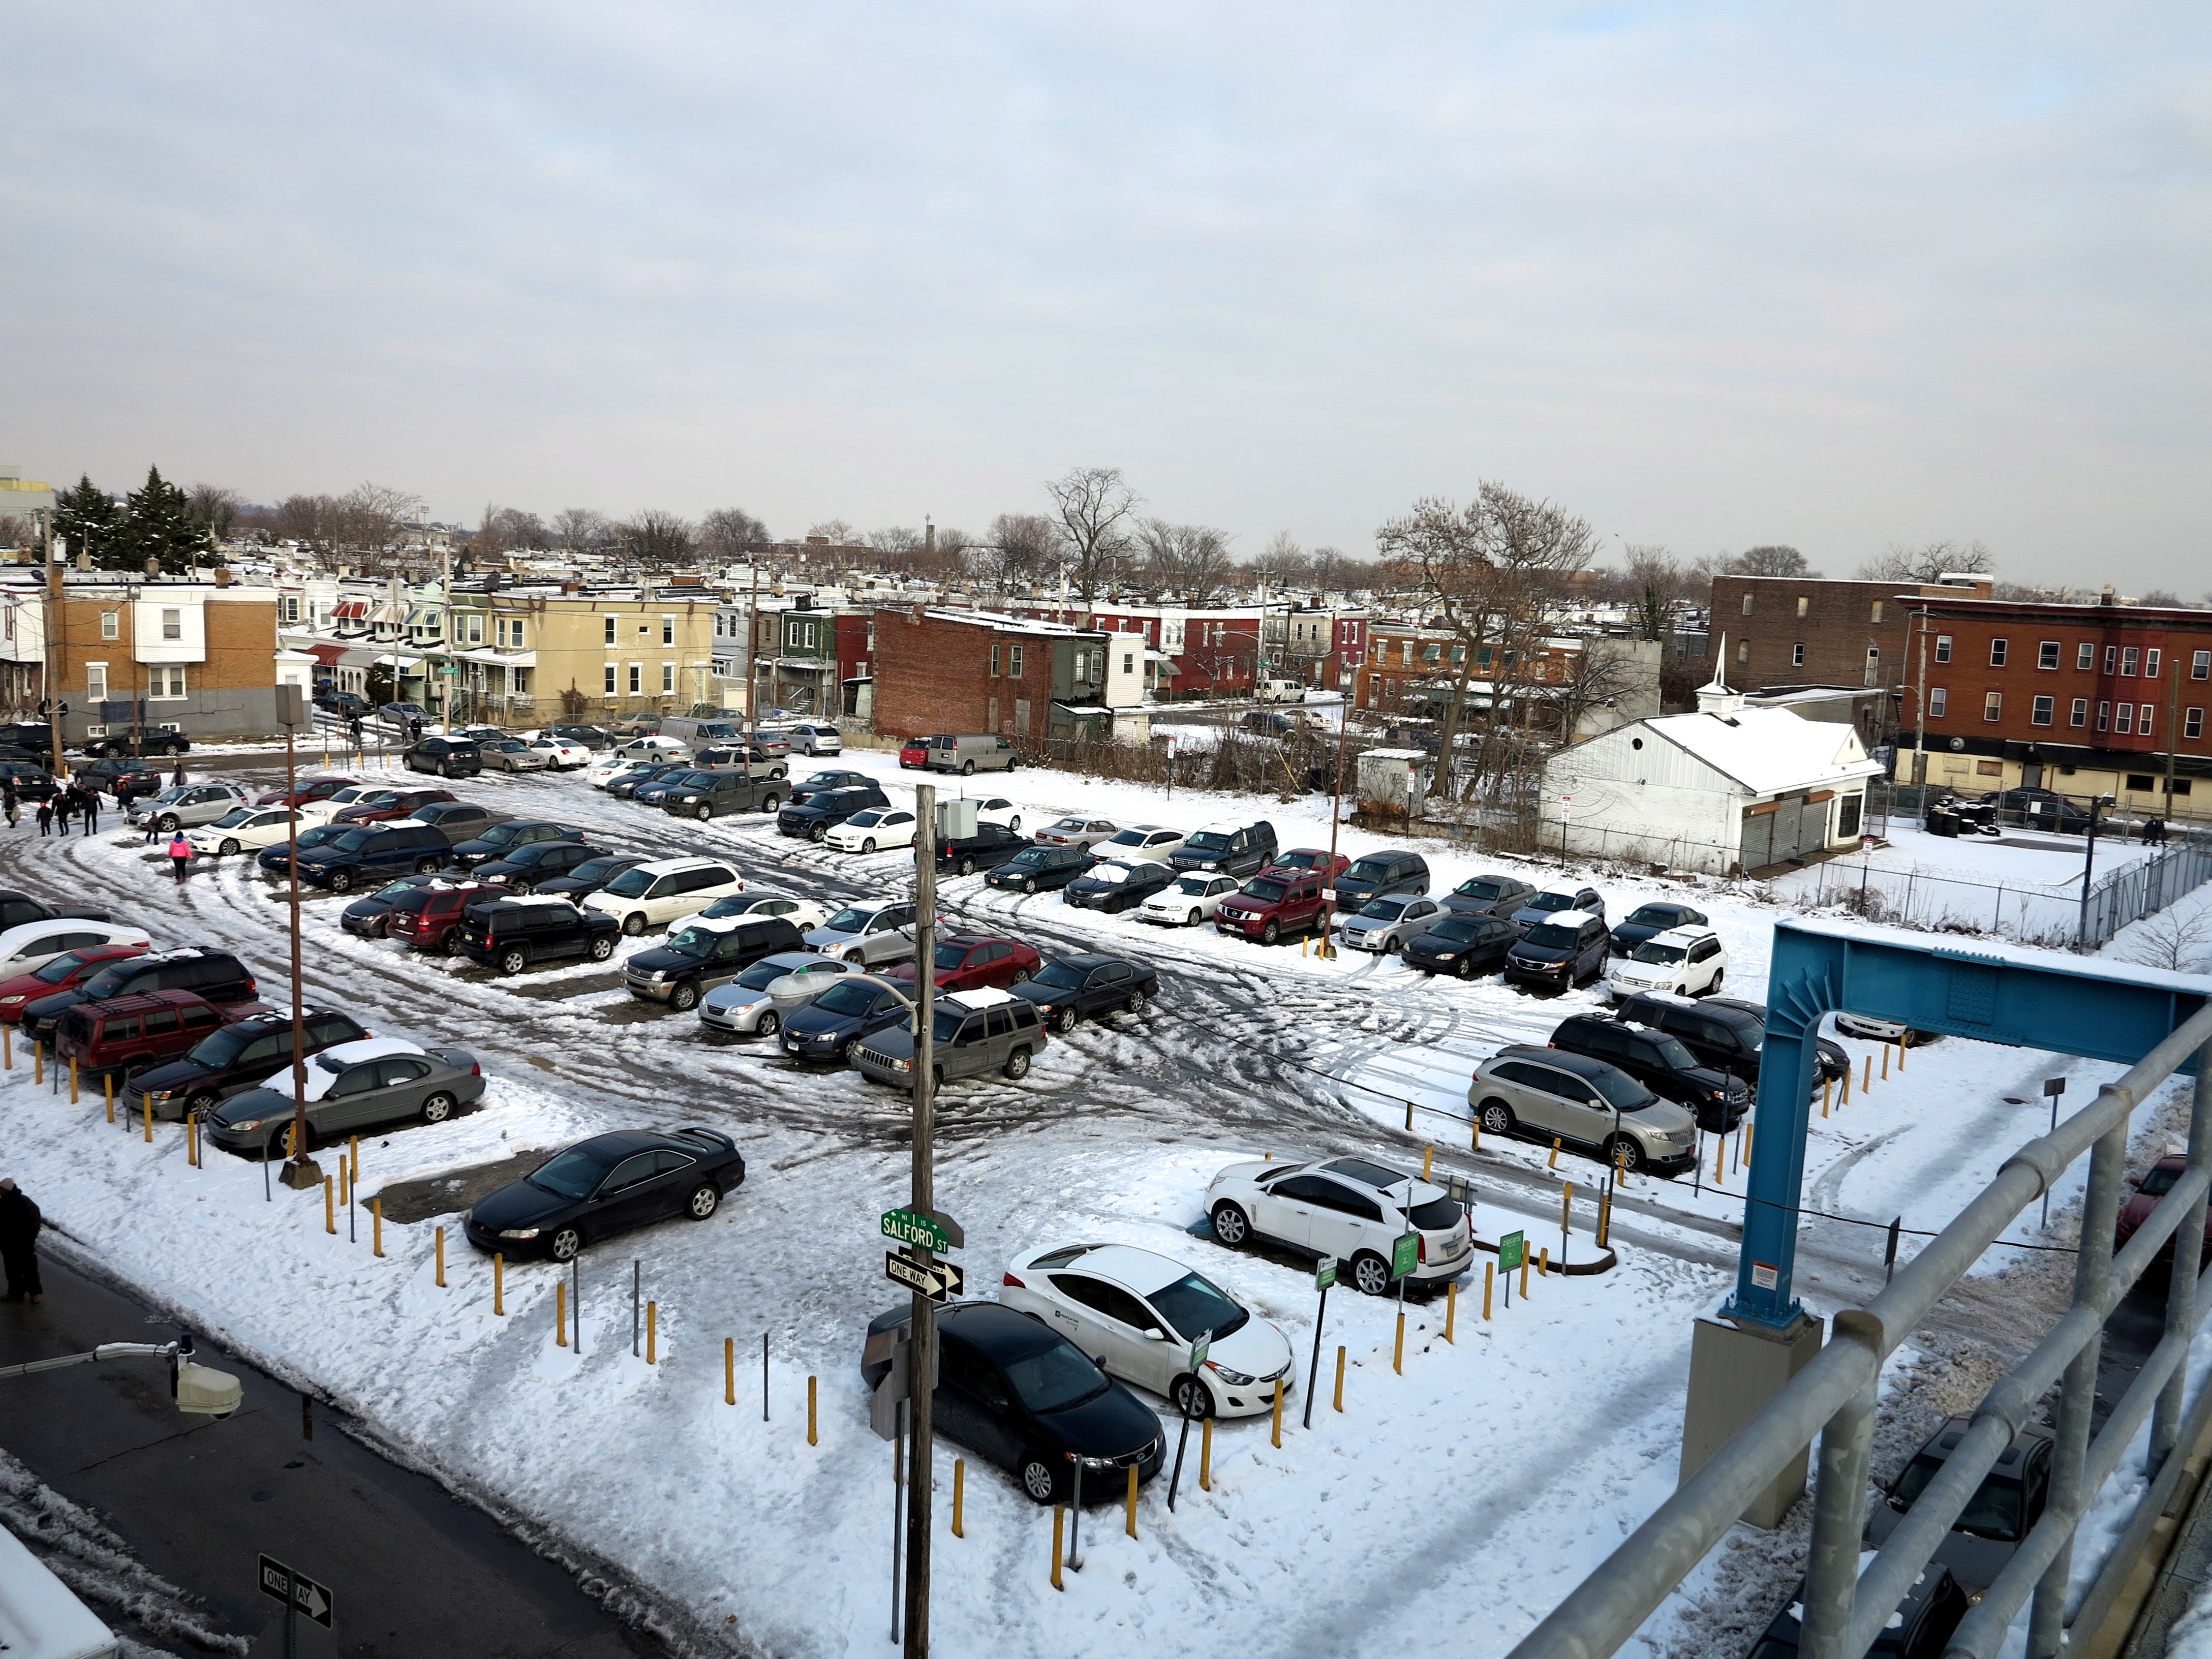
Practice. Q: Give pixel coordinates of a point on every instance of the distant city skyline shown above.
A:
(1710, 278)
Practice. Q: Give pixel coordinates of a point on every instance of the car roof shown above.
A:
(796, 960)
(1689, 935)
(983, 996)
(1142, 1271)
(141, 1000)
(670, 867)
(361, 1049)
(997, 1330)
(1566, 1059)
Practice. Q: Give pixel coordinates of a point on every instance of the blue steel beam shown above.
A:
(2099, 1011)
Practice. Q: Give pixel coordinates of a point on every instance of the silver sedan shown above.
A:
(757, 1002)
(512, 755)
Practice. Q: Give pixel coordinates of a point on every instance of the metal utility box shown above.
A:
(956, 820)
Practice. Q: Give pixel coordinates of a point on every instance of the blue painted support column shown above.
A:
(1788, 1071)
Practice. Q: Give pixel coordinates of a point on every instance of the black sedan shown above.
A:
(816, 783)
(1012, 1389)
(591, 875)
(1649, 921)
(503, 841)
(1462, 944)
(1071, 987)
(825, 1028)
(144, 743)
(626, 786)
(607, 1185)
(991, 846)
(591, 737)
(1116, 884)
(525, 868)
(1039, 868)
(369, 917)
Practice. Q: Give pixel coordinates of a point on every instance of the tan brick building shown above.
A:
(527, 657)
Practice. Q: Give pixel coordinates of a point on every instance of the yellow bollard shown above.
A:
(1867, 1082)
(812, 1438)
(72, 1079)
(1398, 1351)
(729, 1371)
(1339, 1378)
(192, 1140)
(1206, 1455)
(1277, 1434)
(1605, 1221)
(1132, 1501)
(345, 1192)
(959, 1492)
(149, 1122)
(38, 1063)
(1409, 1117)
(1566, 1216)
(1059, 1530)
(1901, 1046)
(1844, 1098)
(560, 1313)
(1489, 1272)
(1827, 1083)
(1428, 1157)
(1475, 1144)
(1451, 1308)
(1554, 1162)
(499, 1286)
(1750, 1132)
(330, 1206)
(1525, 1263)
(352, 1159)
(1720, 1162)
(441, 1258)
(376, 1223)
(652, 1313)
(1885, 1063)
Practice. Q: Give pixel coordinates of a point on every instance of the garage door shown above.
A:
(1792, 828)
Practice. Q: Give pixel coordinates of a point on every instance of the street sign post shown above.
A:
(299, 1594)
(1512, 1251)
(1405, 1255)
(1324, 1276)
(1199, 1350)
(935, 1231)
(941, 1281)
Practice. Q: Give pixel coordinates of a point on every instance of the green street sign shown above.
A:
(908, 1228)
(1325, 1272)
(1512, 1251)
(1405, 1255)
(1200, 1349)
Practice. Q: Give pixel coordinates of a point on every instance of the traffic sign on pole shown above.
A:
(1405, 1255)
(941, 1281)
(935, 1231)
(308, 1596)
(1510, 1248)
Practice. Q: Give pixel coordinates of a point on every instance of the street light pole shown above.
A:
(922, 1348)
(1335, 813)
(2097, 803)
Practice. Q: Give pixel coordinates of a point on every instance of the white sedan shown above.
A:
(322, 811)
(561, 754)
(757, 1002)
(605, 768)
(1690, 961)
(998, 810)
(877, 827)
(1141, 1316)
(802, 913)
(1140, 841)
(31, 947)
(243, 830)
(1190, 903)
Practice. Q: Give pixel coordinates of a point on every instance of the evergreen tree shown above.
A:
(160, 526)
(85, 515)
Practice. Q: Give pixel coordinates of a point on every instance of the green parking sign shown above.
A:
(1325, 1272)
(1512, 1251)
(1405, 1255)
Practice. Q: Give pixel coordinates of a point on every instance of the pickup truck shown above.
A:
(704, 794)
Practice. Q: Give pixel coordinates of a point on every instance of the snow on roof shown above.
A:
(1768, 750)
(999, 622)
(323, 1069)
(983, 996)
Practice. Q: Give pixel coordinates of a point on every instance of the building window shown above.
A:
(1943, 648)
(668, 630)
(2192, 723)
(1746, 604)
(173, 625)
(2046, 654)
(2084, 656)
(1128, 662)
(165, 684)
(2043, 712)
(288, 608)
(1939, 699)
(111, 624)
(95, 681)
(1743, 650)
(1874, 615)
(1797, 655)
(1992, 705)
(2079, 715)
(2112, 660)
(610, 622)
(2143, 719)
(995, 660)
(611, 671)
(2124, 718)
(1989, 769)
(667, 678)
(2200, 665)
(2153, 659)
(1804, 605)
(2128, 662)
(1013, 662)
(636, 678)
(2104, 715)
(1997, 649)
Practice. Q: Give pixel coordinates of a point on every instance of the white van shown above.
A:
(967, 753)
(1282, 690)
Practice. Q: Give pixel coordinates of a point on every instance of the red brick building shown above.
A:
(977, 671)
(1786, 633)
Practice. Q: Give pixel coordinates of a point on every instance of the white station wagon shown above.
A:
(664, 891)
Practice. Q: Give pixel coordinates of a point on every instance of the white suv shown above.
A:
(1349, 1208)
(664, 891)
(1690, 961)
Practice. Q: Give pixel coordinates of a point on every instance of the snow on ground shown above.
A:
(1494, 1473)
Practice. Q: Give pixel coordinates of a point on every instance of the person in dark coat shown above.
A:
(20, 1222)
(63, 808)
(89, 803)
(46, 818)
(11, 808)
(178, 781)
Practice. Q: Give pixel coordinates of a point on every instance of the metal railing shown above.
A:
(1833, 1398)
(2144, 889)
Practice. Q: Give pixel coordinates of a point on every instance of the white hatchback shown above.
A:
(877, 827)
(31, 945)
(1190, 903)
(1141, 1316)
(666, 890)
(1349, 1208)
(242, 829)
(1151, 842)
(1690, 961)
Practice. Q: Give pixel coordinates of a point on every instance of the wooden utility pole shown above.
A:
(1920, 716)
(923, 1346)
(55, 615)
(2173, 732)
(301, 1171)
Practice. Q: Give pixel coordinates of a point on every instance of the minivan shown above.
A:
(965, 753)
(1228, 849)
(1380, 875)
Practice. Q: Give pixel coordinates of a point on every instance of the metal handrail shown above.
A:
(1609, 1606)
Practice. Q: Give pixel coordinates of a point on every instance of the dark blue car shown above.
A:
(854, 1007)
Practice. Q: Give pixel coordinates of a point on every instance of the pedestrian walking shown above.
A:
(63, 808)
(10, 805)
(178, 781)
(180, 856)
(46, 818)
(20, 1222)
(91, 811)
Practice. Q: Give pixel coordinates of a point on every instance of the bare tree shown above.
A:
(728, 532)
(369, 522)
(839, 530)
(579, 529)
(309, 520)
(2163, 597)
(1022, 546)
(2179, 940)
(895, 541)
(1092, 504)
(1930, 563)
(657, 538)
(506, 528)
(1191, 558)
(215, 505)
(1282, 563)
(1771, 559)
(1655, 584)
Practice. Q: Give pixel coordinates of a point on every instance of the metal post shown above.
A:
(1075, 1519)
(1336, 812)
(637, 1290)
(1313, 1372)
(302, 1172)
(2089, 864)
(922, 1348)
(2053, 1086)
(1840, 1503)
(2181, 1288)
(291, 1616)
(2092, 1265)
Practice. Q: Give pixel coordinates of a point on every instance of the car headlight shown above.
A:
(1447, 955)
(519, 1232)
(162, 1094)
(902, 1065)
(657, 975)
(9, 1001)
(240, 1128)
(1234, 1379)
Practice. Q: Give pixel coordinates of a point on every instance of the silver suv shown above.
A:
(184, 805)
(1545, 1093)
(871, 933)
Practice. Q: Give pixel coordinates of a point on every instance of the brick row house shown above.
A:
(978, 672)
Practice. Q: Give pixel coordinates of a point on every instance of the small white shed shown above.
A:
(1728, 789)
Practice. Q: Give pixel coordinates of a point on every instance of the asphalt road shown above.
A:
(413, 1570)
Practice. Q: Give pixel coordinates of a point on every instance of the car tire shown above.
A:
(1139, 1001)
(1371, 1274)
(868, 845)
(202, 1104)
(167, 823)
(438, 1108)
(819, 834)
(1466, 968)
(770, 803)
(424, 866)
(341, 881)
(967, 771)
(513, 961)
(1029, 884)
(1042, 1478)
(176, 749)
(1626, 1153)
(1016, 1067)
(683, 996)
(634, 923)
(566, 1243)
(228, 848)
(1497, 1117)
(1232, 1226)
(275, 1151)
(602, 947)
(1270, 933)
(967, 867)
(705, 1200)
(769, 1025)
(1064, 1021)
(1720, 974)
(1191, 1398)
(703, 812)
(1193, 919)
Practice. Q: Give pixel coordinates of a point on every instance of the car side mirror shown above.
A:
(2135, 1181)
(1154, 1333)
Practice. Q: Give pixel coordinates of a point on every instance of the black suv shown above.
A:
(1661, 1064)
(815, 783)
(522, 870)
(504, 840)
(1722, 1032)
(17, 908)
(825, 811)
(509, 934)
(1226, 849)
(371, 852)
(991, 846)
(215, 975)
(591, 875)
(702, 954)
(449, 757)
(1560, 953)
(707, 794)
(1034, 869)
(235, 1058)
(1379, 875)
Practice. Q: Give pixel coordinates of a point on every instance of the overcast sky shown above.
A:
(1711, 275)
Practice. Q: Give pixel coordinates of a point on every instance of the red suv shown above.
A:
(126, 1034)
(913, 754)
(1275, 902)
(2154, 1184)
(1310, 857)
(65, 973)
(968, 961)
(427, 918)
(313, 789)
(389, 805)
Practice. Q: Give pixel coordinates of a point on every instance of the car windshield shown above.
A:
(1130, 838)
(1992, 1512)
(1553, 933)
(865, 820)
(1479, 889)
(1069, 826)
(233, 818)
(696, 942)
(1369, 870)
(632, 883)
(1194, 1307)
(1060, 976)
(823, 781)
(850, 919)
(1055, 1377)
(500, 833)
(1621, 1090)
(1265, 891)
(60, 968)
(1652, 950)
(1672, 1051)
(851, 997)
(352, 841)
(695, 780)
(1107, 872)
(1195, 885)
(951, 955)
(225, 1045)
(1553, 901)
(320, 833)
(596, 869)
(761, 975)
(1465, 929)
(1654, 915)
(2157, 1182)
(1208, 841)
(1385, 909)
(1031, 856)
(572, 1174)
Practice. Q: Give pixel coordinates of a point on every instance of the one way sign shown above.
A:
(941, 1281)
(309, 1597)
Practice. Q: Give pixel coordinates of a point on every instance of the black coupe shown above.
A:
(606, 1186)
